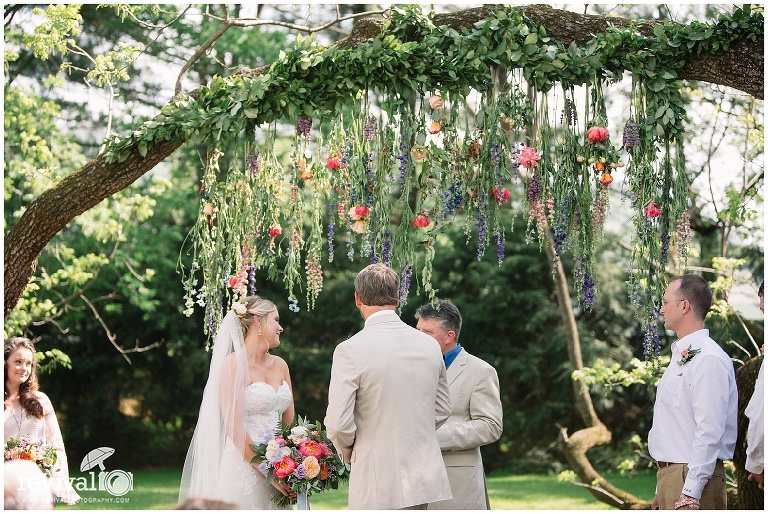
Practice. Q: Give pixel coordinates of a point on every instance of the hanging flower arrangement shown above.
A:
(379, 179)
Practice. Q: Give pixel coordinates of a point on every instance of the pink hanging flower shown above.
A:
(208, 209)
(652, 210)
(501, 195)
(528, 158)
(422, 220)
(359, 212)
(359, 216)
(334, 162)
(597, 134)
(275, 230)
(436, 101)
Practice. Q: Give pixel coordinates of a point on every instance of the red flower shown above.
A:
(285, 467)
(652, 210)
(422, 220)
(275, 230)
(501, 195)
(359, 212)
(233, 282)
(597, 134)
(606, 179)
(334, 162)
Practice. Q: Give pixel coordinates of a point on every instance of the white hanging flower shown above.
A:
(239, 308)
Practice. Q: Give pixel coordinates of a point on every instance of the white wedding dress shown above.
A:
(238, 481)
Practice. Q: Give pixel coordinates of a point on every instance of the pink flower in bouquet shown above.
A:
(311, 466)
(310, 448)
(652, 210)
(285, 467)
(208, 209)
(334, 162)
(275, 230)
(501, 195)
(528, 158)
(597, 134)
(436, 101)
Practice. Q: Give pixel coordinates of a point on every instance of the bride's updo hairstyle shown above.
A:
(253, 305)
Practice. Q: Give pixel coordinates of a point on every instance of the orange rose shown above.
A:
(434, 127)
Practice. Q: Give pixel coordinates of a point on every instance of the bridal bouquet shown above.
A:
(24, 448)
(302, 457)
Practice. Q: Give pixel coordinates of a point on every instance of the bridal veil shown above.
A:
(221, 412)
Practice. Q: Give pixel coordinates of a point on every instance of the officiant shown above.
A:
(476, 417)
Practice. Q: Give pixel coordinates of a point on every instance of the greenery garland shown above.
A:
(386, 183)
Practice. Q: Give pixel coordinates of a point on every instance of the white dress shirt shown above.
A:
(755, 432)
(695, 414)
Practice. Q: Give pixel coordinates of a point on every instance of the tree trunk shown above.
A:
(97, 180)
(576, 446)
(749, 496)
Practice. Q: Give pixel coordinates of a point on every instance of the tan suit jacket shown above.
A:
(476, 420)
(388, 394)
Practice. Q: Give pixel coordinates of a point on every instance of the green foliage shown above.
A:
(612, 375)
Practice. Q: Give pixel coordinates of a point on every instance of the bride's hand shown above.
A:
(284, 489)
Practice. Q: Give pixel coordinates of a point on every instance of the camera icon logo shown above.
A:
(116, 482)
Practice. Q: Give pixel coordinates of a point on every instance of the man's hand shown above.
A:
(655, 503)
(757, 477)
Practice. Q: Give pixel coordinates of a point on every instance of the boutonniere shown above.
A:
(688, 354)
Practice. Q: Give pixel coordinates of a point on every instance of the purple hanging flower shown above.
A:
(304, 126)
(534, 187)
(631, 134)
(370, 128)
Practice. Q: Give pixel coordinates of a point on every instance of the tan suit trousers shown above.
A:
(669, 485)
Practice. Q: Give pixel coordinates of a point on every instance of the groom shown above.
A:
(387, 397)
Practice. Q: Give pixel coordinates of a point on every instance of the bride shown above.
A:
(247, 394)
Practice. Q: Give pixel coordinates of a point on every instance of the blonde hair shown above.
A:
(254, 305)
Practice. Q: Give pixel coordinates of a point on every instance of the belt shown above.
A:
(662, 464)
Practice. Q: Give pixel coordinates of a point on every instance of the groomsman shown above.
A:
(694, 417)
(476, 418)
(388, 395)
(755, 411)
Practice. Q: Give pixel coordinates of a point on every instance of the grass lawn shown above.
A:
(159, 488)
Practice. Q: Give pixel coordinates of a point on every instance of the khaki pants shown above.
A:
(669, 485)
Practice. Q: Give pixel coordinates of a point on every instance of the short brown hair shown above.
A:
(696, 290)
(378, 285)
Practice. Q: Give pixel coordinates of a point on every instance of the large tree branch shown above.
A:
(741, 67)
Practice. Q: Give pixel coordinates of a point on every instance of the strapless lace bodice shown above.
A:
(264, 407)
